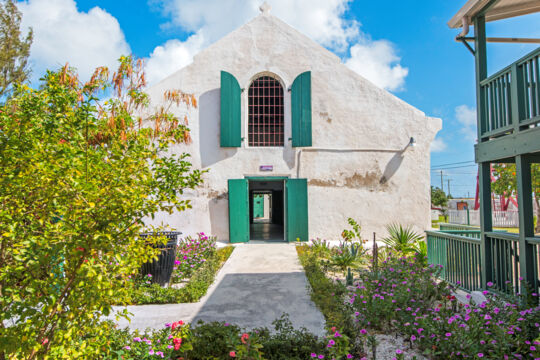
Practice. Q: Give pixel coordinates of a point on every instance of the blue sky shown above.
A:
(409, 50)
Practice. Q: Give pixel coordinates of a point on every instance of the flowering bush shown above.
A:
(144, 292)
(216, 340)
(404, 297)
(191, 254)
(169, 343)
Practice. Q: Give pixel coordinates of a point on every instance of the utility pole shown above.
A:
(442, 187)
(448, 187)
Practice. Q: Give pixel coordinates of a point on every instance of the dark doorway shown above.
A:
(266, 210)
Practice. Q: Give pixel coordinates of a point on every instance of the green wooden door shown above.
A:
(238, 211)
(258, 206)
(297, 209)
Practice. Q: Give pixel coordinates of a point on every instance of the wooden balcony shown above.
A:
(509, 111)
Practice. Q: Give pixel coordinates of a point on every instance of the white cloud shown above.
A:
(437, 145)
(63, 34)
(377, 61)
(466, 116)
(173, 55)
(322, 20)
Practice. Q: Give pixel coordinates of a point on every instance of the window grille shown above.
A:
(266, 119)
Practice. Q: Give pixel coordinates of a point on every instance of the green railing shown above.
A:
(475, 234)
(458, 253)
(511, 97)
(458, 256)
(534, 242)
(446, 226)
(504, 272)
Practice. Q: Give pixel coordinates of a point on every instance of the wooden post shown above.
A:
(484, 169)
(486, 223)
(526, 221)
(375, 255)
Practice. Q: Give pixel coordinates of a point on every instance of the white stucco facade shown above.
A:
(356, 166)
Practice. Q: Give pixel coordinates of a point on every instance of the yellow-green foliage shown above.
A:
(78, 178)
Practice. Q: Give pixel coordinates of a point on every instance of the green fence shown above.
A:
(458, 256)
(447, 226)
(458, 253)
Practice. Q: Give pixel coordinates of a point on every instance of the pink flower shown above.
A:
(232, 354)
(177, 343)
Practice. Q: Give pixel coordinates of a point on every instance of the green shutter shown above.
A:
(297, 210)
(238, 211)
(301, 110)
(231, 122)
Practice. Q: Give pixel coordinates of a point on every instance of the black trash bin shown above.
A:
(162, 268)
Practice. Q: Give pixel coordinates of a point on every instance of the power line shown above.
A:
(454, 167)
(456, 163)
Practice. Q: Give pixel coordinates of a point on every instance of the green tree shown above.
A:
(14, 49)
(506, 184)
(438, 197)
(79, 179)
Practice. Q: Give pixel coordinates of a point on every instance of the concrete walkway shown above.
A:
(258, 283)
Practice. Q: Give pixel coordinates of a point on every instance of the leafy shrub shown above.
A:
(401, 239)
(287, 343)
(191, 254)
(320, 248)
(214, 340)
(79, 177)
(354, 234)
(143, 293)
(348, 255)
(325, 293)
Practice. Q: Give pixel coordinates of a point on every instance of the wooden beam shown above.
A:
(504, 40)
(519, 143)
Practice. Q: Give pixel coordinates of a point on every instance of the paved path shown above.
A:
(258, 283)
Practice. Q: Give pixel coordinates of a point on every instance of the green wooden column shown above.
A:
(484, 169)
(526, 220)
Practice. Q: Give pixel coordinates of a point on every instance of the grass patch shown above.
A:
(325, 293)
(195, 289)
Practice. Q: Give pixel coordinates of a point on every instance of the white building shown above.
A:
(280, 115)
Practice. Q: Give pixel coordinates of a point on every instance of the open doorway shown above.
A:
(266, 210)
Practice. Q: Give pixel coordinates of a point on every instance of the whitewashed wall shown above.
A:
(356, 167)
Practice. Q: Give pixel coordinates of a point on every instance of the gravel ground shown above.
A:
(388, 344)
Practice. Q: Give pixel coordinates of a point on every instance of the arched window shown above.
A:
(266, 119)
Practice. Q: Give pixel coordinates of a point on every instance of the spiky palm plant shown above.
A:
(402, 239)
